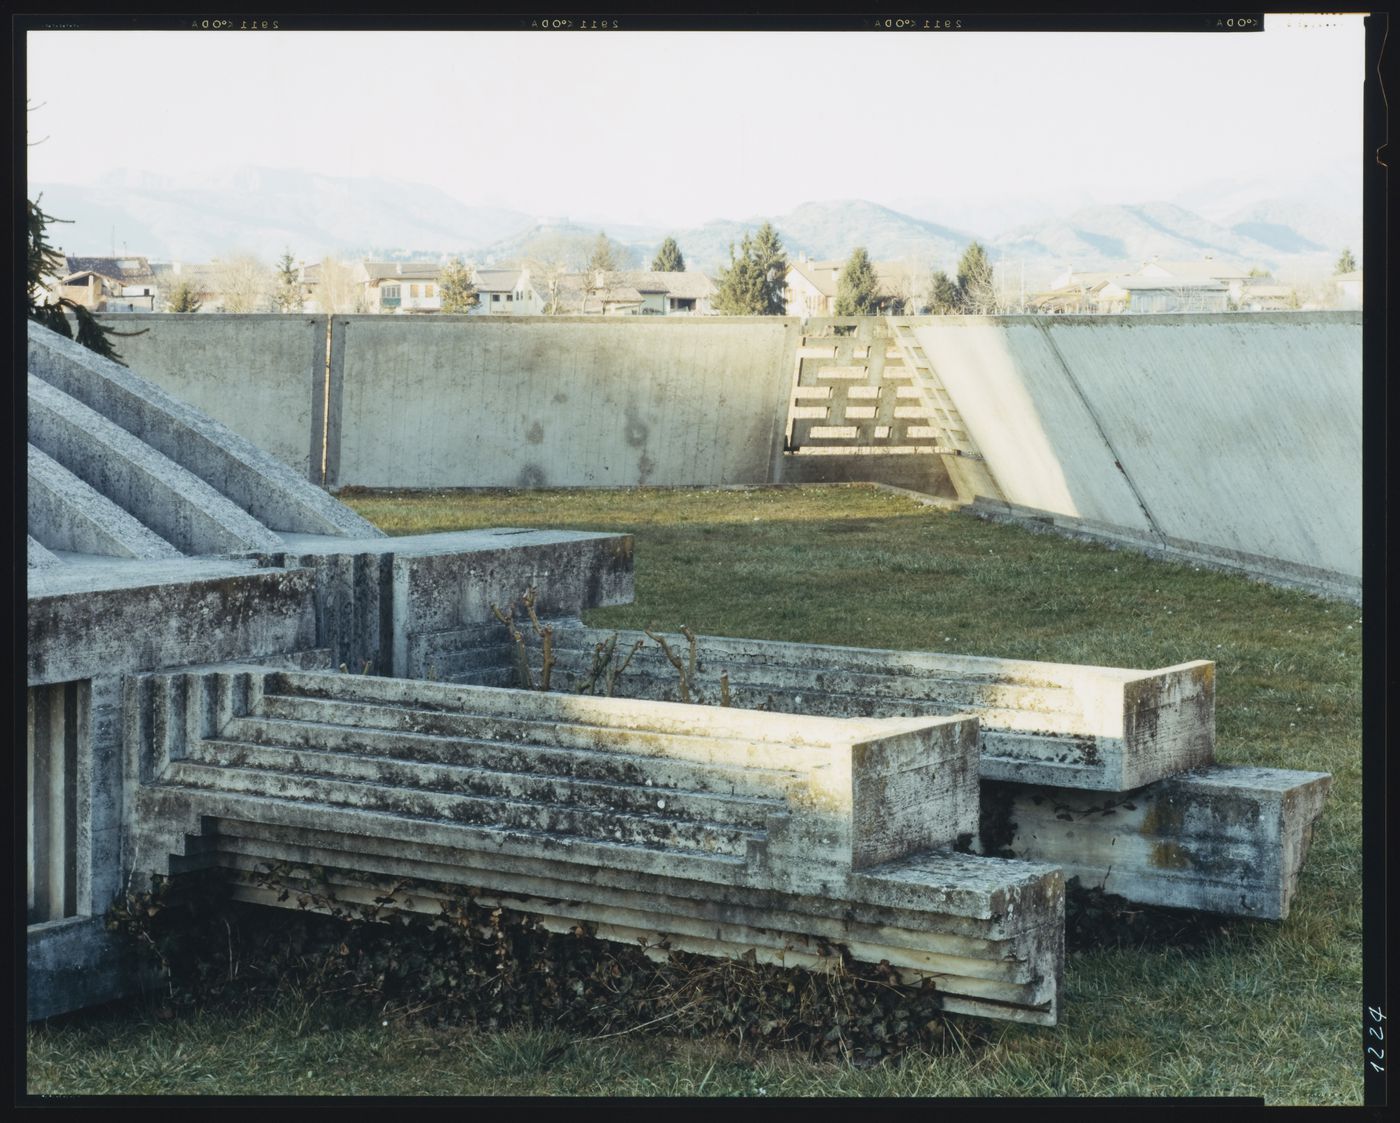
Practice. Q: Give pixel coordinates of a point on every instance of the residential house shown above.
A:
(109, 284)
(1233, 277)
(904, 288)
(668, 294)
(508, 292)
(1138, 294)
(622, 293)
(1262, 294)
(1076, 293)
(400, 286)
(1348, 286)
(811, 287)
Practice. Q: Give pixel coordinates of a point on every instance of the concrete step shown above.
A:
(564, 821)
(1067, 725)
(1229, 839)
(659, 774)
(463, 777)
(505, 729)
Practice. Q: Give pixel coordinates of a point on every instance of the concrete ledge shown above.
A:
(272, 492)
(175, 504)
(377, 599)
(1291, 575)
(1227, 839)
(1097, 728)
(67, 514)
(144, 615)
(40, 557)
(76, 963)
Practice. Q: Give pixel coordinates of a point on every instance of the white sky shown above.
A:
(682, 127)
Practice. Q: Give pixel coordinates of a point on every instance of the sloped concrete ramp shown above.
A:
(1232, 435)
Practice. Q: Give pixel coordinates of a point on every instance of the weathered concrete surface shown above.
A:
(174, 503)
(1323, 582)
(1097, 728)
(147, 418)
(75, 963)
(479, 401)
(709, 826)
(40, 556)
(919, 472)
(1227, 839)
(1238, 432)
(262, 376)
(386, 602)
(67, 514)
(1086, 767)
(90, 621)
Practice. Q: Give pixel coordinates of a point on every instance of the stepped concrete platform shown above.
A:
(719, 831)
(158, 539)
(1102, 771)
(1057, 724)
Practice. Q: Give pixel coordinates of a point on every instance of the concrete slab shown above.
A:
(1097, 728)
(270, 491)
(1227, 839)
(174, 503)
(69, 515)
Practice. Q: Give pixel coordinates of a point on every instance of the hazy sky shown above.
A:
(681, 127)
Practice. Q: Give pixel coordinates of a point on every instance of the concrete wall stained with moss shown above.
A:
(534, 402)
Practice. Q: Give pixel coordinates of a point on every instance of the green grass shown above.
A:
(1259, 1010)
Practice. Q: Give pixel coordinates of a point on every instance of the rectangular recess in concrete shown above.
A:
(52, 784)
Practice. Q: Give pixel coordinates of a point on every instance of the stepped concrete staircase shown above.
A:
(681, 827)
(1107, 772)
(188, 597)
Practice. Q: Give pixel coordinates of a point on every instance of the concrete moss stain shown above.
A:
(1171, 856)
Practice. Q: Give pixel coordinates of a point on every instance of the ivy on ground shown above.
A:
(490, 967)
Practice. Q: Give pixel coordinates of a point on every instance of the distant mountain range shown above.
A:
(266, 211)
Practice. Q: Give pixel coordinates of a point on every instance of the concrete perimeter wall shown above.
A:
(468, 401)
(262, 376)
(1239, 432)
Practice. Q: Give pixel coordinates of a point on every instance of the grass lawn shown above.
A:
(1259, 1010)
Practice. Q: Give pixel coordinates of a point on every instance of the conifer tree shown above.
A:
(770, 262)
(737, 291)
(44, 259)
(668, 258)
(943, 294)
(1345, 264)
(183, 296)
(455, 288)
(753, 282)
(286, 296)
(976, 291)
(858, 289)
(602, 259)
